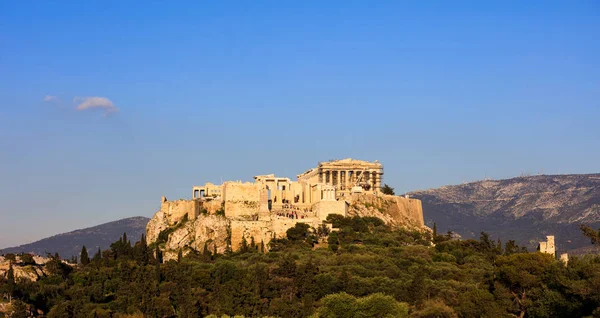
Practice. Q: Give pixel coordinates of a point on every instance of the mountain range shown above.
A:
(524, 209)
(100, 236)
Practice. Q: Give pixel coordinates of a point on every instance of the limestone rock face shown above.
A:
(216, 231)
(29, 272)
(393, 210)
(192, 234)
(156, 224)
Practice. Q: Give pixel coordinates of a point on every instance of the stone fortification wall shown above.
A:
(174, 211)
(211, 206)
(241, 199)
(259, 230)
(325, 208)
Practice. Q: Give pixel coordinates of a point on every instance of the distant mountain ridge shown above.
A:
(99, 236)
(525, 209)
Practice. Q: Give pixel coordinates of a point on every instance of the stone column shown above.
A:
(373, 180)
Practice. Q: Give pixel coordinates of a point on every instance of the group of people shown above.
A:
(290, 215)
(293, 212)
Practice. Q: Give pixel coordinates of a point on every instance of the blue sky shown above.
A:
(106, 106)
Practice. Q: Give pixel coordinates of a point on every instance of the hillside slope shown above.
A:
(100, 236)
(525, 209)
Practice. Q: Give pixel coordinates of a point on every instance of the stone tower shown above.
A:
(548, 246)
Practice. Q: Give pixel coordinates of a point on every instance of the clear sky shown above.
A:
(105, 107)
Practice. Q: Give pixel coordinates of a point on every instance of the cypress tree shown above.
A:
(98, 256)
(157, 261)
(205, 251)
(244, 245)
(10, 283)
(179, 256)
(85, 259)
(140, 251)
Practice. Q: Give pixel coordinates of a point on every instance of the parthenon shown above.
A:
(345, 174)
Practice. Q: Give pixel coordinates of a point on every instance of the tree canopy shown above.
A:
(363, 268)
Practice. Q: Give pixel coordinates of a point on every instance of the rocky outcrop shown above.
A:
(393, 210)
(186, 230)
(211, 230)
(31, 272)
(159, 222)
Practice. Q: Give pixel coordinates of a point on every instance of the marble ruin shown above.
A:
(270, 205)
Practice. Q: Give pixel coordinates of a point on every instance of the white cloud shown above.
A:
(50, 98)
(84, 103)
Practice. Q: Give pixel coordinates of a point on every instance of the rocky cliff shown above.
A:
(173, 229)
(525, 209)
(393, 210)
(31, 272)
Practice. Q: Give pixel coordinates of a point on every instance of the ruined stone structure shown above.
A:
(270, 205)
(345, 174)
(548, 246)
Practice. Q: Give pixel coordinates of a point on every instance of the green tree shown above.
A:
(298, 233)
(10, 281)
(85, 259)
(380, 305)
(19, 309)
(205, 252)
(27, 259)
(339, 305)
(141, 252)
(592, 234)
(386, 189)
(511, 247)
(333, 241)
(434, 308)
(11, 257)
(518, 275)
(244, 245)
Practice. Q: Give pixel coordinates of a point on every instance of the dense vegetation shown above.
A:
(365, 270)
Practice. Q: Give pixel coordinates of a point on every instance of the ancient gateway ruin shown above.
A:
(270, 205)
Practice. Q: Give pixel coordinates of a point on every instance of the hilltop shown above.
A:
(100, 236)
(524, 209)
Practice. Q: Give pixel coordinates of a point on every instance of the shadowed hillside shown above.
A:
(525, 209)
(100, 236)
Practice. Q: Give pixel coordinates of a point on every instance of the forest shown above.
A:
(362, 269)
